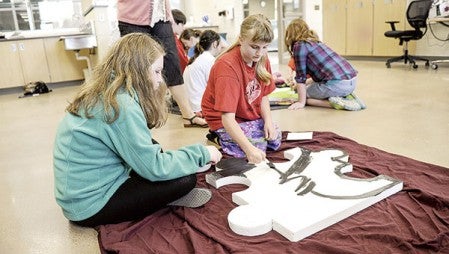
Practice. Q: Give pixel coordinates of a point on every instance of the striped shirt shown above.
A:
(320, 62)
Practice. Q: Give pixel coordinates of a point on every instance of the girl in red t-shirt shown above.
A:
(235, 102)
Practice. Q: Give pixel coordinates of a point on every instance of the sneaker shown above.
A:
(356, 98)
(343, 103)
(334, 103)
(195, 198)
(212, 139)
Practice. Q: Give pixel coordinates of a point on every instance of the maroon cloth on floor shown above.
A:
(414, 220)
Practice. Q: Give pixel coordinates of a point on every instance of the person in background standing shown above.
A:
(154, 17)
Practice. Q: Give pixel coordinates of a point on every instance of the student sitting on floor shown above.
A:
(189, 38)
(235, 103)
(107, 167)
(333, 79)
(197, 72)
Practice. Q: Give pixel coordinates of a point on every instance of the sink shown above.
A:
(78, 42)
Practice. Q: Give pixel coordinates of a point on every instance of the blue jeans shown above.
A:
(331, 88)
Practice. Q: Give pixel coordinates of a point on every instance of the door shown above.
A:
(34, 61)
(334, 25)
(62, 64)
(387, 10)
(359, 36)
(286, 11)
(10, 66)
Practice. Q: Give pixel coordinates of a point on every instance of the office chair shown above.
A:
(417, 13)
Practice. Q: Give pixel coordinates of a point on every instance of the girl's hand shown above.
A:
(291, 83)
(255, 155)
(215, 155)
(270, 131)
(297, 105)
(302, 97)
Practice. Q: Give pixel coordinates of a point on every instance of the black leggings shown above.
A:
(138, 197)
(163, 33)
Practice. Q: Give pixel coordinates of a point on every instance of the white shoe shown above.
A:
(343, 103)
(356, 98)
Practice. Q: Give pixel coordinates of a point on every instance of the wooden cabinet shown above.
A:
(388, 10)
(334, 25)
(43, 59)
(357, 27)
(10, 67)
(34, 62)
(62, 64)
(23, 61)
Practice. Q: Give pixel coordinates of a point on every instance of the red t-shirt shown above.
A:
(183, 59)
(291, 64)
(233, 88)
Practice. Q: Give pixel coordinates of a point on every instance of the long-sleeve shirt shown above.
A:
(320, 62)
(93, 158)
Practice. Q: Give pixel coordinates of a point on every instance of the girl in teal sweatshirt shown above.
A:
(107, 167)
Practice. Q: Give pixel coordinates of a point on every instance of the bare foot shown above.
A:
(199, 114)
(195, 121)
(199, 121)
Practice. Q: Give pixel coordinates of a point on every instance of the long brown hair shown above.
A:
(126, 66)
(189, 33)
(298, 30)
(207, 38)
(257, 28)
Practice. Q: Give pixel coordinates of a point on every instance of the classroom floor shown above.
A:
(407, 114)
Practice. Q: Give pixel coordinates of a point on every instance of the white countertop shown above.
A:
(31, 34)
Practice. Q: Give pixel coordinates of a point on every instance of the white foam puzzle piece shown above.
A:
(299, 197)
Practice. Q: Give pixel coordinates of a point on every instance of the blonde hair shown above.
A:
(126, 66)
(256, 28)
(298, 30)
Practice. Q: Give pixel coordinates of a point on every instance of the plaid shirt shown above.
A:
(320, 62)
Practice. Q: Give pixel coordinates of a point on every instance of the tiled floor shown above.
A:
(407, 114)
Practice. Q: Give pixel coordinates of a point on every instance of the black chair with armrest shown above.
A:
(417, 13)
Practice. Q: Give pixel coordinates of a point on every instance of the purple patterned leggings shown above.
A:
(254, 131)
